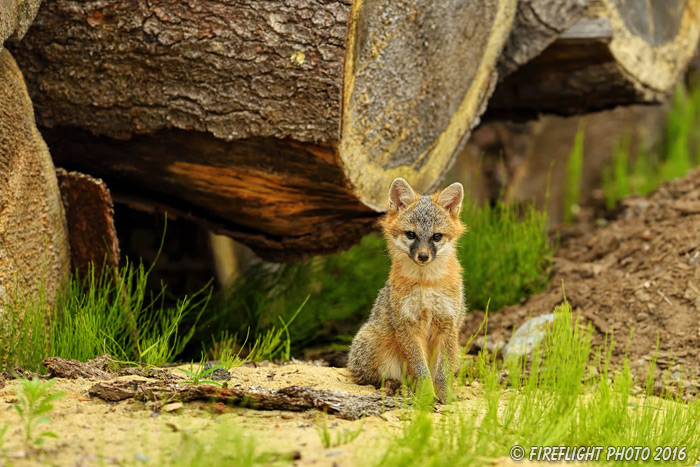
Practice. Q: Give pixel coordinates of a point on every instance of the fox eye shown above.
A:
(437, 237)
(410, 235)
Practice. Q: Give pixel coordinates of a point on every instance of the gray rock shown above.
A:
(220, 374)
(527, 336)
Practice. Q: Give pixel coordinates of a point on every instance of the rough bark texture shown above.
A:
(34, 249)
(620, 52)
(90, 217)
(292, 398)
(284, 121)
(537, 24)
(15, 18)
(98, 368)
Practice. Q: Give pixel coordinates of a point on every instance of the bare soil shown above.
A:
(95, 432)
(636, 276)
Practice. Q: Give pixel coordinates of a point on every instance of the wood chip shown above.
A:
(172, 406)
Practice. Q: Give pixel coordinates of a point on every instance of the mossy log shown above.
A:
(34, 248)
(280, 123)
(617, 52)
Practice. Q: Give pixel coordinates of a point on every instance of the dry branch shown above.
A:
(292, 398)
(98, 368)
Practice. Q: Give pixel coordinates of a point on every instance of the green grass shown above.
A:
(574, 171)
(228, 446)
(506, 254)
(113, 315)
(643, 172)
(338, 288)
(555, 399)
(342, 437)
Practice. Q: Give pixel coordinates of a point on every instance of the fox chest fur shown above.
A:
(421, 303)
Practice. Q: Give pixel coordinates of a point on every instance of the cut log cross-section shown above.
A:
(279, 123)
(616, 52)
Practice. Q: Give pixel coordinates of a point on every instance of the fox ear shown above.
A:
(451, 198)
(400, 194)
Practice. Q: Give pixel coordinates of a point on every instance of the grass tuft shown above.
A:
(506, 254)
(552, 398)
(94, 316)
(643, 172)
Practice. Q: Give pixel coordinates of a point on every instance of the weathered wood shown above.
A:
(537, 24)
(98, 368)
(34, 250)
(90, 218)
(15, 18)
(620, 52)
(285, 120)
(292, 398)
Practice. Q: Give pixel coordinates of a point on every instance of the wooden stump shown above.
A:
(279, 123)
(618, 52)
(34, 251)
(94, 245)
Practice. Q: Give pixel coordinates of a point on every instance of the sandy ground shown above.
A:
(93, 432)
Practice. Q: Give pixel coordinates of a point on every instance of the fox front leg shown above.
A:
(417, 369)
(444, 359)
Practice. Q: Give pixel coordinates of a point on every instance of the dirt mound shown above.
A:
(638, 275)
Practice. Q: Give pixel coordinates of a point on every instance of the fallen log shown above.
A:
(616, 53)
(292, 398)
(279, 123)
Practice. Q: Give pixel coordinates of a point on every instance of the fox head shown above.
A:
(424, 227)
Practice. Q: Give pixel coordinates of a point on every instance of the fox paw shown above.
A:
(392, 387)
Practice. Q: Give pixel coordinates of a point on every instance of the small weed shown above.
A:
(34, 401)
(199, 375)
(341, 437)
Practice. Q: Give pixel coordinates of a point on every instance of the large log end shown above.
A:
(34, 249)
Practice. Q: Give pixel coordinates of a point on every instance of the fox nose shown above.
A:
(423, 257)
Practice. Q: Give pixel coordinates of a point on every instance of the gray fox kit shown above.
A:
(414, 325)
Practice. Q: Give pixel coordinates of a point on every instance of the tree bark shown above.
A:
(281, 123)
(537, 24)
(15, 18)
(34, 250)
(620, 52)
(94, 246)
